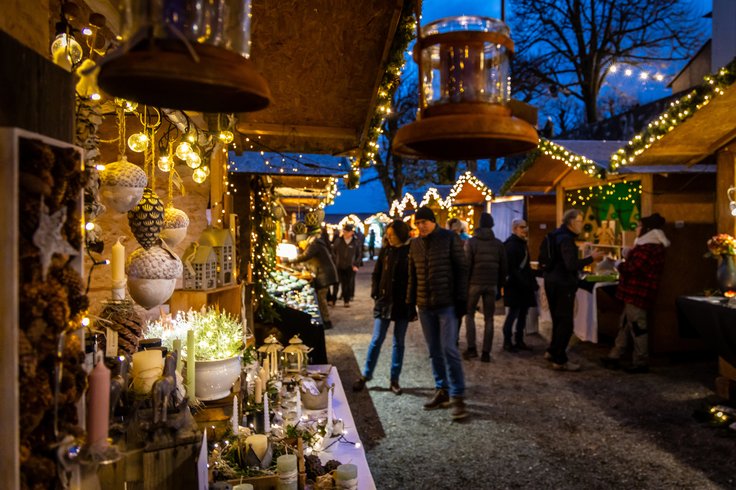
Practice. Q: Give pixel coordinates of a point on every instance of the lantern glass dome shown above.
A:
(465, 59)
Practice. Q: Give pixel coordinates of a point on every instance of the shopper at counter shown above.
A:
(562, 267)
(319, 261)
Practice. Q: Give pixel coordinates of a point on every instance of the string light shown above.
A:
(469, 178)
(138, 142)
(679, 111)
(183, 149)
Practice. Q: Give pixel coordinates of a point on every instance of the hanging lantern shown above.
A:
(186, 54)
(270, 351)
(464, 94)
(295, 355)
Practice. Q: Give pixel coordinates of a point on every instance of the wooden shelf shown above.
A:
(229, 299)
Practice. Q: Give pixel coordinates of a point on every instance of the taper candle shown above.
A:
(329, 410)
(98, 409)
(234, 418)
(298, 403)
(266, 416)
(258, 391)
(117, 263)
(191, 353)
(267, 366)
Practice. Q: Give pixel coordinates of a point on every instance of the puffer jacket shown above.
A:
(438, 271)
(486, 259)
(319, 260)
(389, 282)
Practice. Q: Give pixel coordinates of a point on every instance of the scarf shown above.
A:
(655, 236)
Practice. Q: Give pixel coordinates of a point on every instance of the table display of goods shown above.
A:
(295, 293)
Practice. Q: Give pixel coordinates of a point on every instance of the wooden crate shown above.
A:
(227, 297)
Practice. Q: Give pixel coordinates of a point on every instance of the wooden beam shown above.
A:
(557, 180)
(265, 129)
(647, 194)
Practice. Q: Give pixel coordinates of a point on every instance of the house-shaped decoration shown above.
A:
(223, 245)
(200, 267)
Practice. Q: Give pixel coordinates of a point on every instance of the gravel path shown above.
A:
(531, 427)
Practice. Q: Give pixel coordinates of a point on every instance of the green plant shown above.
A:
(217, 334)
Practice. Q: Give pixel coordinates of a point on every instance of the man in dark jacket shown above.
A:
(638, 282)
(561, 284)
(519, 293)
(348, 253)
(319, 261)
(487, 263)
(438, 280)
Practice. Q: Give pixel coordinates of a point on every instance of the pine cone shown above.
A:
(146, 219)
(72, 281)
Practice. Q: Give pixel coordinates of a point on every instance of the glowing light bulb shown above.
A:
(138, 142)
(192, 137)
(193, 159)
(183, 149)
(89, 226)
(85, 321)
(66, 51)
(206, 170)
(226, 137)
(199, 176)
(164, 163)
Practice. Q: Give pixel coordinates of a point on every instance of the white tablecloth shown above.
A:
(343, 451)
(586, 310)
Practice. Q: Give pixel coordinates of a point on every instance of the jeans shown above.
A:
(440, 332)
(347, 283)
(489, 306)
(380, 327)
(633, 328)
(516, 314)
(561, 299)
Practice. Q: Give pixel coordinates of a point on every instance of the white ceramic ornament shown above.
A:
(175, 227)
(152, 275)
(121, 185)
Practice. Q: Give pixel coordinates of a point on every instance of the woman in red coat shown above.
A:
(637, 288)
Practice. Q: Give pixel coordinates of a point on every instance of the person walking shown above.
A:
(371, 244)
(519, 293)
(561, 284)
(438, 280)
(348, 252)
(318, 259)
(639, 277)
(388, 289)
(488, 265)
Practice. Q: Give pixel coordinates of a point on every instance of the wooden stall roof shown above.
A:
(710, 128)
(540, 172)
(323, 61)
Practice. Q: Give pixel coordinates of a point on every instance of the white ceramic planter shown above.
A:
(215, 378)
(150, 292)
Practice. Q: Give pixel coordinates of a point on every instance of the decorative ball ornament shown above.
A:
(300, 228)
(199, 176)
(146, 219)
(121, 185)
(314, 218)
(175, 226)
(183, 149)
(193, 159)
(226, 137)
(277, 210)
(152, 275)
(165, 164)
(138, 142)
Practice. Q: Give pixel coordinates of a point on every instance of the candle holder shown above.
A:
(295, 356)
(269, 355)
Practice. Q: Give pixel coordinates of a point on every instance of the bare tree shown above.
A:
(569, 45)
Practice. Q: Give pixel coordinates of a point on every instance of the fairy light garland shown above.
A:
(555, 152)
(434, 195)
(471, 179)
(398, 207)
(607, 192)
(679, 111)
(263, 248)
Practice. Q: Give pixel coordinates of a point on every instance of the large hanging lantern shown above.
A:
(186, 54)
(464, 94)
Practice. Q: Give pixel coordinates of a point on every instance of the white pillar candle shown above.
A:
(258, 390)
(147, 368)
(266, 418)
(267, 365)
(258, 443)
(243, 486)
(234, 418)
(264, 376)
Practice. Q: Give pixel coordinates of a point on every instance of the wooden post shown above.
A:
(647, 195)
(725, 178)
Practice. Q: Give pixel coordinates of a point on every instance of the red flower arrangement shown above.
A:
(722, 244)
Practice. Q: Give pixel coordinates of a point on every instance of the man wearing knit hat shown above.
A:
(438, 280)
(488, 268)
(639, 276)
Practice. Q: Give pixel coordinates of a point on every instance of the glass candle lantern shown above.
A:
(295, 356)
(186, 54)
(464, 59)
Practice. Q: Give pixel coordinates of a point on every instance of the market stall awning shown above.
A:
(690, 130)
(324, 62)
(551, 162)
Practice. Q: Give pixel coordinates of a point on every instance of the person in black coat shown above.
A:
(348, 253)
(319, 261)
(388, 290)
(519, 293)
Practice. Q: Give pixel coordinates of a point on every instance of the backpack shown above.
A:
(548, 252)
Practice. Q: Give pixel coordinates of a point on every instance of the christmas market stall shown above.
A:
(138, 260)
(699, 202)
